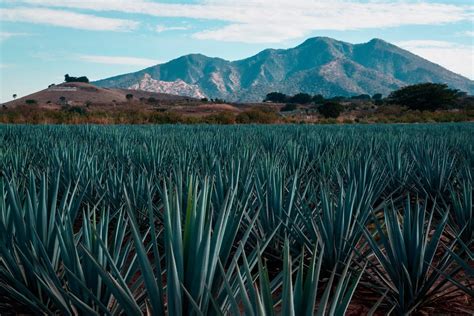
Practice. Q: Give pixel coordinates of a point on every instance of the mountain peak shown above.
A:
(318, 40)
(377, 42)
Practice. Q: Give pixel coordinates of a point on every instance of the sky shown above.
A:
(41, 40)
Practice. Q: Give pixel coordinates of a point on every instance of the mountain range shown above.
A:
(319, 65)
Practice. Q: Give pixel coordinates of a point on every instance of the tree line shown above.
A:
(422, 97)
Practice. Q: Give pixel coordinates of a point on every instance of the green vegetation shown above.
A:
(330, 109)
(211, 220)
(289, 107)
(31, 102)
(425, 97)
(257, 115)
(83, 79)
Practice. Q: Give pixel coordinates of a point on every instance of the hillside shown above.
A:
(79, 94)
(320, 65)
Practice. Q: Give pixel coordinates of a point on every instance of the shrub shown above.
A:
(220, 118)
(30, 101)
(152, 100)
(74, 110)
(129, 96)
(166, 118)
(289, 107)
(262, 116)
(330, 109)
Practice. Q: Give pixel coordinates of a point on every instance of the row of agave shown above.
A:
(251, 220)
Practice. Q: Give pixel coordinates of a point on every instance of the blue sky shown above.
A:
(41, 40)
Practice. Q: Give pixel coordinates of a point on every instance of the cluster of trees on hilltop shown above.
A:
(423, 97)
(68, 78)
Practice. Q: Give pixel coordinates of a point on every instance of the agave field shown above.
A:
(230, 220)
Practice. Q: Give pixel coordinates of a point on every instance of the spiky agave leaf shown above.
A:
(405, 249)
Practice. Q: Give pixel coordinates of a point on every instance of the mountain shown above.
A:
(320, 65)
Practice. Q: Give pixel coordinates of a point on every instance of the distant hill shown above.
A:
(77, 93)
(320, 65)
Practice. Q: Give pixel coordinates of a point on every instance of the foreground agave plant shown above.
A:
(293, 298)
(407, 260)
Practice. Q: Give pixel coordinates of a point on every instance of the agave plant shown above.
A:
(461, 220)
(30, 257)
(265, 296)
(405, 257)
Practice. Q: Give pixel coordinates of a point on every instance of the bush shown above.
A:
(152, 100)
(220, 118)
(166, 118)
(129, 96)
(262, 116)
(289, 107)
(74, 110)
(330, 109)
(30, 101)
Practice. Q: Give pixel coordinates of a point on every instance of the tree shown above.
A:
(361, 97)
(425, 96)
(129, 96)
(276, 97)
(330, 109)
(300, 98)
(318, 99)
(377, 97)
(14, 96)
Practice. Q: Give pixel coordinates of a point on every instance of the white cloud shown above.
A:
(7, 35)
(455, 57)
(118, 60)
(279, 20)
(163, 28)
(66, 19)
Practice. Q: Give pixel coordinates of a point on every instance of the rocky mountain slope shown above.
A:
(319, 65)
